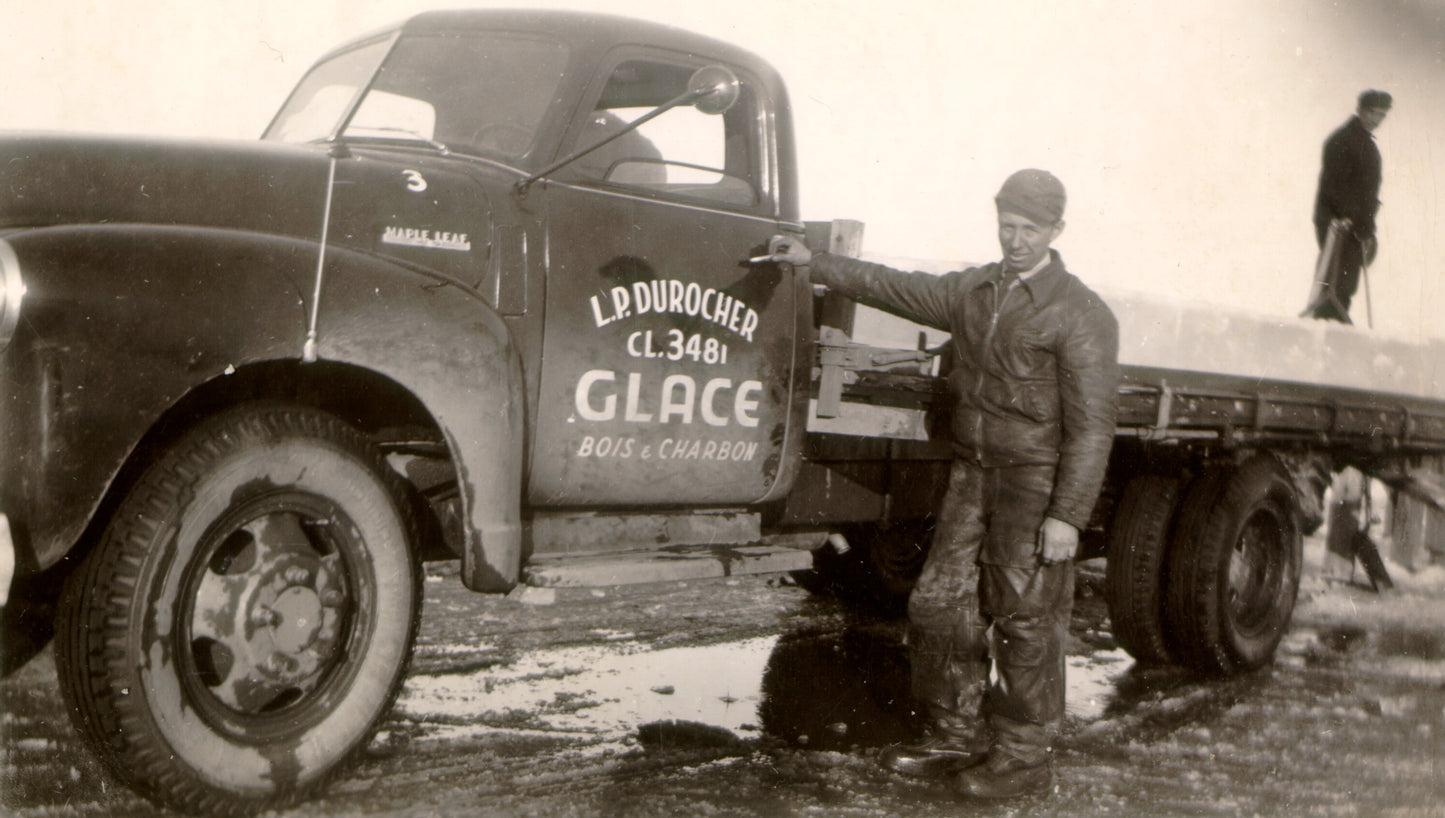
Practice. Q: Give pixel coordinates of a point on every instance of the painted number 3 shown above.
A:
(414, 181)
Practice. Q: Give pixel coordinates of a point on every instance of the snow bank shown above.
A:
(1171, 334)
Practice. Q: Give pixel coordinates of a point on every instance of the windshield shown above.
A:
(484, 93)
(318, 103)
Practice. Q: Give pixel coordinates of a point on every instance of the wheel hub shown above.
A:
(296, 632)
(300, 613)
(1252, 574)
(268, 612)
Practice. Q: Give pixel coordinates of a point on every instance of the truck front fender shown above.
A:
(121, 323)
(444, 344)
(118, 323)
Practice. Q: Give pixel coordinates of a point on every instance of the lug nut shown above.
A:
(280, 663)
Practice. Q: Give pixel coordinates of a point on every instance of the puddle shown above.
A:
(828, 692)
(1413, 643)
(1414, 651)
(605, 693)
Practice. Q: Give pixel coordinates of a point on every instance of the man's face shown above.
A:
(1372, 117)
(1024, 241)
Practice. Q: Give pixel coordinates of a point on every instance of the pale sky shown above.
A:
(1187, 133)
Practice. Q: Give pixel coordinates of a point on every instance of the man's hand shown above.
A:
(1058, 541)
(790, 250)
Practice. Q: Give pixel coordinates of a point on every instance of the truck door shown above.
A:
(668, 358)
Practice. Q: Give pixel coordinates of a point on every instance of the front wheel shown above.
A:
(246, 620)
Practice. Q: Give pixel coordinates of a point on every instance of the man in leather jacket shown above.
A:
(1035, 377)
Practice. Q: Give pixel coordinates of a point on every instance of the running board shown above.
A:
(668, 565)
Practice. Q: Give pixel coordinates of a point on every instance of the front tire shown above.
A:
(1233, 579)
(246, 620)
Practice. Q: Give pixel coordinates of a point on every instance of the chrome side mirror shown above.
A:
(12, 292)
(715, 89)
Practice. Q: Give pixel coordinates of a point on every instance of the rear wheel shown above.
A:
(246, 620)
(1134, 589)
(895, 555)
(881, 565)
(1234, 576)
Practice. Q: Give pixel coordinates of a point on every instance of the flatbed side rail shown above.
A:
(1158, 404)
(1162, 404)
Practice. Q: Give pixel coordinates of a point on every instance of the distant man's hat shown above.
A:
(1034, 194)
(1375, 99)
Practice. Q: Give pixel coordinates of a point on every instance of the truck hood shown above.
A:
(425, 210)
(72, 179)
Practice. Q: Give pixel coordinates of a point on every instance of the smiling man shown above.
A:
(1034, 379)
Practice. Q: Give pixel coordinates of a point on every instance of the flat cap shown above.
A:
(1037, 195)
(1375, 99)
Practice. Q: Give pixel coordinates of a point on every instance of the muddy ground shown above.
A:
(754, 696)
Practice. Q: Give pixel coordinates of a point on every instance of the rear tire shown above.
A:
(880, 567)
(246, 620)
(1134, 585)
(1234, 569)
(895, 555)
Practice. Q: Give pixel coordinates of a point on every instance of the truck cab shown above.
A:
(658, 364)
(658, 361)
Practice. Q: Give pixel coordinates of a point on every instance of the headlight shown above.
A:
(12, 292)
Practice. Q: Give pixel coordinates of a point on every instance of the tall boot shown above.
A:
(949, 665)
(1018, 763)
(946, 749)
(1004, 775)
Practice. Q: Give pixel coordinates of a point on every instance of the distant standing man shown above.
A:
(1034, 379)
(1349, 189)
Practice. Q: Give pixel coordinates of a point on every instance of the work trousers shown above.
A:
(984, 593)
(1352, 256)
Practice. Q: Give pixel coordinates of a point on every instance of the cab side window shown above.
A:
(683, 153)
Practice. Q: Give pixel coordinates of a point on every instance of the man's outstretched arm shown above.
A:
(923, 298)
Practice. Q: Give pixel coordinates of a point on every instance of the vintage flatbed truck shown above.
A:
(492, 286)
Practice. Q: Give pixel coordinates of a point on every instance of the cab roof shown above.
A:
(588, 33)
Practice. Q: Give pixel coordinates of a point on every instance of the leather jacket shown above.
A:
(1035, 372)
